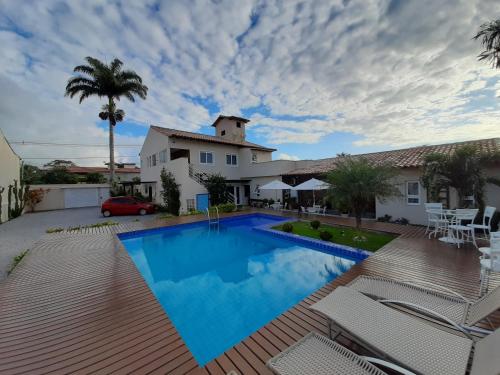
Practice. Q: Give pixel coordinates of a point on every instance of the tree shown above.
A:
(111, 82)
(31, 174)
(59, 175)
(170, 192)
(356, 183)
(59, 163)
(463, 170)
(217, 189)
(95, 178)
(489, 34)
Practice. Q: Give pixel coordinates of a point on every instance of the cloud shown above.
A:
(284, 156)
(392, 73)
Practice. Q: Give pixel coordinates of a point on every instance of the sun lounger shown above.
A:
(316, 354)
(395, 336)
(430, 299)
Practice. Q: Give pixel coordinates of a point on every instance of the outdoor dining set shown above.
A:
(458, 227)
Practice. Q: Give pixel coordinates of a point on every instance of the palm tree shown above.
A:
(109, 81)
(357, 183)
(489, 33)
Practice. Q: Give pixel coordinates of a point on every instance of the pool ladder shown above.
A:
(213, 220)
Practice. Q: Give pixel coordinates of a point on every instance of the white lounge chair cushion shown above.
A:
(404, 339)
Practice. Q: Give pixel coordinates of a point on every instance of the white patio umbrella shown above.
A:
(276, 185)
(313, 184)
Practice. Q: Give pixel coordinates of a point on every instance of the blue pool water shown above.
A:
(219, 286)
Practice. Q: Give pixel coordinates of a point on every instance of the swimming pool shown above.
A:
(218, 285)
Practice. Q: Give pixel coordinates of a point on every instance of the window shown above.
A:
(206, 157)
(232, 159)
(412, 192)
(190, 205)
(238, 124)
(163, 156)
(254, 157)
(149, 161)
(223, 132)
(153, 158)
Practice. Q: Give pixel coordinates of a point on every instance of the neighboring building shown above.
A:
(124, 172)
(10, 168)
(409, 161)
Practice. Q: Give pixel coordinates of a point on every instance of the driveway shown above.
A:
(21, 233)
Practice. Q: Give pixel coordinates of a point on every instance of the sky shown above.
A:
(315, 78)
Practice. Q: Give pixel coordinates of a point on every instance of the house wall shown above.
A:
(233, 133)
(10, 166)
(399, 208)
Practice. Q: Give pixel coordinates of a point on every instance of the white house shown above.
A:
(188, 156)
(246, 166)
(10, 167)
(409, 161)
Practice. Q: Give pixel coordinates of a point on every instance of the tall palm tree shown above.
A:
(111, 82)
(489, 33)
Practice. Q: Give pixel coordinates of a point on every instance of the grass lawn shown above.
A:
(372, 241)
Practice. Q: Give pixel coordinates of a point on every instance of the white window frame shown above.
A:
(231, 155)
(413, 196)
(154, 160)
(254, 157)
(162, 156)
(207, 152)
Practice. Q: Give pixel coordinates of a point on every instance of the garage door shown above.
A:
(81, 197)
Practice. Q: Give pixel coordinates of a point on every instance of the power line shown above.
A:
(33, 143)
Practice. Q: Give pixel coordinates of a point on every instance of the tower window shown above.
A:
(238, 124)
(223, 132)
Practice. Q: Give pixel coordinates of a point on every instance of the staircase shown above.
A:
(194, 174)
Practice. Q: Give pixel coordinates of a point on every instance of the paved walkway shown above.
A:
(21, 233)
(77, 304)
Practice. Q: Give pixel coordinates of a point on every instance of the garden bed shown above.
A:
(361, 239)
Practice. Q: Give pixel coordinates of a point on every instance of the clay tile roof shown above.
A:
(235, 118)
(207, 138)
(84, 170)
(404, 158)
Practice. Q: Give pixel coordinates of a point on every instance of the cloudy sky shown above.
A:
(314, 77)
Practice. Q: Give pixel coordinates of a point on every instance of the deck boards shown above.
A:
(77, 304)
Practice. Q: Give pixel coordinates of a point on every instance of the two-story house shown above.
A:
(188, 155)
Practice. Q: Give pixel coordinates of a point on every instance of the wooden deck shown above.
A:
(77, 304)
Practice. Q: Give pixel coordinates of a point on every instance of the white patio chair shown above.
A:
(459, 228)
(435, 219)
(489, 265)
(304, 210)
(489, 211)
(323, 211)
(494, 237)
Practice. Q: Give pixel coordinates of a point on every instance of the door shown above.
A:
(201, 202)
(150, 193)
(81, 197)
(237, 194)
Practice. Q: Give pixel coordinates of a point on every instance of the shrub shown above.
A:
(384, 219)
(16, 261)
(287, 227)
(226, 207)
(315, 224)
(54, 230)
(217, 189)
(34, 197)
(325, 236)
(170, 192)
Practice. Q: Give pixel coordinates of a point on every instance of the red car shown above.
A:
(126, 206)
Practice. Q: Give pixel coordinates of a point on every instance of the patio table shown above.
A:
(450, 238)
(276, 206)
(313, 209)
